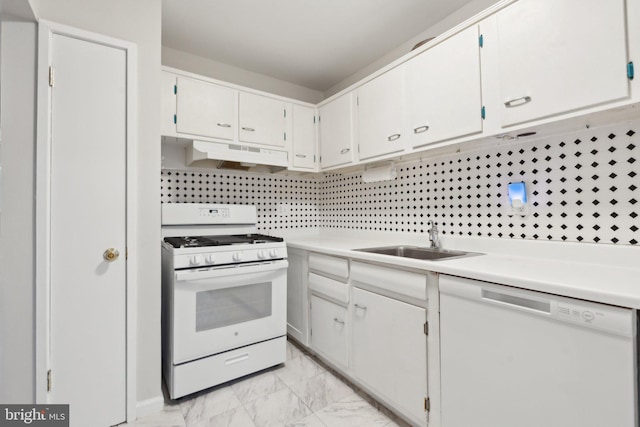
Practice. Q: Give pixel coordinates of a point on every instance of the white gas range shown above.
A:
(224, 296)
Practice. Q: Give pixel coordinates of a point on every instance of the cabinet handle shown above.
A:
(361, 307)
(302, 156)
(335, 319)
(516, 102)
(393, 137)
(421, 129)
(224, 125)
(248, 129)
(345, 150)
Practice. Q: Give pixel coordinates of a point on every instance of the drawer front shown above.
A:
(402, 282)
(329, 329)
(332, 289)
(329, 266)
(213, 370)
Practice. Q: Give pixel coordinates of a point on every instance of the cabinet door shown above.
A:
(297, 296)
(559, 56)
(304, 137)
(380, 115)
(389, 349)
(329, 329)
(443, 90)
(205, 109)
(262, 119)
(168, 104)
(336, 132)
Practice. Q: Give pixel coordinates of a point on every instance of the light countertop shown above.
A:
(595, 272)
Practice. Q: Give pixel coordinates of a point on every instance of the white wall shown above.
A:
(137, 21)
(217, 70)
(17, 157)
(457, 17)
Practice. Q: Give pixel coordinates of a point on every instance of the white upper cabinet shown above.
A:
(205, 109)
(168, 104)
(381, 116)
(262, 119)
(558, 56)
(444, 98)
(304, 137)
(336, 132)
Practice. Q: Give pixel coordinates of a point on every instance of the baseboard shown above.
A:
(149, 406)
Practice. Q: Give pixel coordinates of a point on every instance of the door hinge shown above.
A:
(314, 119)
(358, 101)
(427, 404)
(49, 380)
(175, 89)
(285, 136)
(126, 253)
(314, 158)
(481, 40)
(630, 71)
(51, 76)
(285, 112)
(483, 112)
(175, 119)
(426, 328)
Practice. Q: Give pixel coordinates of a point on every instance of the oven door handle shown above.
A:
(232, 270)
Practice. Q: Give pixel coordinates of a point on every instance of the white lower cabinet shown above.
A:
(329, 329)
(389, 351)
(297, 300)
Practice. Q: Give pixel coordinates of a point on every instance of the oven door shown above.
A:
(220, 309)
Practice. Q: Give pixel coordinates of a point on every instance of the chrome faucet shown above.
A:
(433, 235)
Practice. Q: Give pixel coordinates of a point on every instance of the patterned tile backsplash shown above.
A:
(582, 186)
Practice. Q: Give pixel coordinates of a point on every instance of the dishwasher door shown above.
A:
(515, 358)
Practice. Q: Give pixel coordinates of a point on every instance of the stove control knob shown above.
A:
(210, 259)
(262, 254)
(273, 253)
(195, 260)
(237, 256)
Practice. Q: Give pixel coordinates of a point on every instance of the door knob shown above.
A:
(111, 254)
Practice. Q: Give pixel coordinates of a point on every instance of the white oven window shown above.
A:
(229, 306)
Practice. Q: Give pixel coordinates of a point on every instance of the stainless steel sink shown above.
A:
(417, 252)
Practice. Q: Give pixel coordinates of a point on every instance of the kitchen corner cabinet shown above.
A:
(304, 137)
(205, 109)
(336, 132)
(444, 99)
(262, 119)
(380, 106)
(297, 297)
(559, 56)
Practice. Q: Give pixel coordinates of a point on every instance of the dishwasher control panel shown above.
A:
(599, 316)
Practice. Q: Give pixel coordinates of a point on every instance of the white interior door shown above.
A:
(88, 215)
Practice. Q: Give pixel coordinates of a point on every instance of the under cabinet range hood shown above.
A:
(235, 156)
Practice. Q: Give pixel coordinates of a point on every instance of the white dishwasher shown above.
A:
(516, 358)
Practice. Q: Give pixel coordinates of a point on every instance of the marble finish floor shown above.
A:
(299, 393)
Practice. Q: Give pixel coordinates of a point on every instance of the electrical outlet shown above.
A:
(284, 210)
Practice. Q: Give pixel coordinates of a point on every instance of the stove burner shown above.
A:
(236, 239)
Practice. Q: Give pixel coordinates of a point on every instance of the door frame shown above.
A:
(46, 31)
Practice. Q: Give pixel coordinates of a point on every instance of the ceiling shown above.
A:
(312, 43)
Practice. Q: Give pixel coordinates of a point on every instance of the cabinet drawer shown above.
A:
(329, 329)
(330, 288)
(402, 282)
(329, 266)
